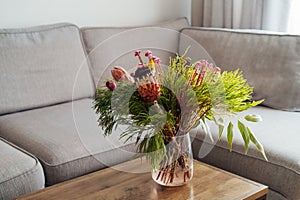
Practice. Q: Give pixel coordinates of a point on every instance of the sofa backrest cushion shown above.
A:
(111, 46)
(41, 66)
(269, 61)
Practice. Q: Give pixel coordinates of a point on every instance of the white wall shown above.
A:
(24, 13)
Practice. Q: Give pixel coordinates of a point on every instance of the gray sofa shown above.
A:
(48, 76)
(271, 63)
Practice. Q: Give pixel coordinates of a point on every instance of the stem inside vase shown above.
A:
(176, 168)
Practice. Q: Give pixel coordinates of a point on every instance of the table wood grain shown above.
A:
(208, 183)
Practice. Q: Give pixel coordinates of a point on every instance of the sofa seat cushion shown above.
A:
(111, 46)
(269, 61)
(66, 138)
(278, 133)
(42, 66)
(20, 172)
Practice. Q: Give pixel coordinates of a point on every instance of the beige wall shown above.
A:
(24, 13)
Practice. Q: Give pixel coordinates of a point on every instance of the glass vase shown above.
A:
(176, 167)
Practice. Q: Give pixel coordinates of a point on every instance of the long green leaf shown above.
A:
(258, 145)
(230, 135)
(206, 129)
(221, 129)
(220, 123)
(245, 135)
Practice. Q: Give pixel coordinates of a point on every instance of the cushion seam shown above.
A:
(87, 28)
(42, 29)
(237, 32)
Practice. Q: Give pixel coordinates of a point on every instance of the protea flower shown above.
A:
(202, 68)
(120, 74)
(148, 88)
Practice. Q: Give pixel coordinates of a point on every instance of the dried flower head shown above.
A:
(120, 74)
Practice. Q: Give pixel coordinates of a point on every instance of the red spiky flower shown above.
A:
(148, 88)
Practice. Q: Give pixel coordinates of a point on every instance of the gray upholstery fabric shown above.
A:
(272, 195)
(66, 139)
(111, 46)
(20, 173)
(41, 66)
(278, 133)
(269, 61)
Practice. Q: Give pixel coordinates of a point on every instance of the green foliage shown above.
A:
(154, 148)
(124, 106)
(238, 92)
(102, 106)
(239, 98)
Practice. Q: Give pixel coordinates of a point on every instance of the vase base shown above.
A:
(178, 179)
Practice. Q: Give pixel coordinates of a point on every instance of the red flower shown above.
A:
(149, 92)
(148, 88)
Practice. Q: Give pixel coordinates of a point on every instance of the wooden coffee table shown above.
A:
(208, 183)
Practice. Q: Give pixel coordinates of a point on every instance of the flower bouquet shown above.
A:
(160, 107)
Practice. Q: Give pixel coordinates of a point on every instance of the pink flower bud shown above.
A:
(156, 59)
(148, 53)
(210, 67)
(111, 85)
(204, 63)
(137, 53)
(197, 65)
